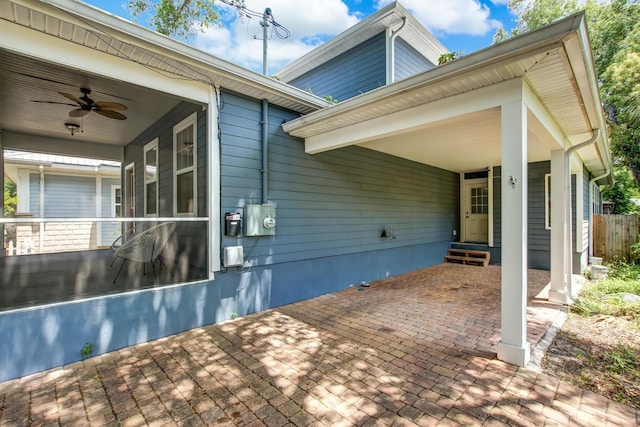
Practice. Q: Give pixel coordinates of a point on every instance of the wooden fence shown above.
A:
(613, 235)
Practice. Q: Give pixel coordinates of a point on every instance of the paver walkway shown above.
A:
(418, 349)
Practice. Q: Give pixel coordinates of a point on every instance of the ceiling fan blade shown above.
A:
(111, 114)
(73, 98)
(113, 106)
(79, 112)
(54, 102)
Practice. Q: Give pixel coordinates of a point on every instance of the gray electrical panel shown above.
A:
(260, 220)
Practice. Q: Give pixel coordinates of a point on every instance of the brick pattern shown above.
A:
(417, 349)
(58, 237)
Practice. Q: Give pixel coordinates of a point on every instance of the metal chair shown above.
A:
(145, 247)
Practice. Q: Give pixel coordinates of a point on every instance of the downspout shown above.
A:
(391, 37)
(567, 160)
(591, 185)
(265, 150)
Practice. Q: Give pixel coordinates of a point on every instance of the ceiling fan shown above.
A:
(85, 105)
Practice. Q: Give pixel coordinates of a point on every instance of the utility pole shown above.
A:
(265, 25)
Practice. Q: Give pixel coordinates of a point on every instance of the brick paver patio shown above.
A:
(418, 349)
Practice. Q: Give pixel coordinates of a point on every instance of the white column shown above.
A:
(213, 181)
(513, 346)
(559, 269)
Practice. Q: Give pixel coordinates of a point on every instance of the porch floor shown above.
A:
(416, 349)
(29, 280)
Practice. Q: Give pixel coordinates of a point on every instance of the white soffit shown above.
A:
(541, 58)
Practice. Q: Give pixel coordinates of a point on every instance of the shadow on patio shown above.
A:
(417, 348)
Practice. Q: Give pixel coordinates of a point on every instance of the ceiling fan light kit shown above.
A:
(72, 128)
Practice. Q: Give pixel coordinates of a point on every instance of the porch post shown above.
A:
(559, 268)
(513, 346)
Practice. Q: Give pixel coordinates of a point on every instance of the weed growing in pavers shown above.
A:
(86, 350)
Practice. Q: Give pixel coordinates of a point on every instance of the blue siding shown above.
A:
(110, 231)
(539, 238)
(408, 61)
(356, 71)
(34, 193)
(68, 196)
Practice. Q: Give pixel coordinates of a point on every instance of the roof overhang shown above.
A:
(459, 102)
(391, 16)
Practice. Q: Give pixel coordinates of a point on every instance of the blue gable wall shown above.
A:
(356, 71)
(408, 61)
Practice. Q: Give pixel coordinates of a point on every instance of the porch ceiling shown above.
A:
(435, 118)
(26, 80)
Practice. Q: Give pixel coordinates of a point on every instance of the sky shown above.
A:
(461, 25)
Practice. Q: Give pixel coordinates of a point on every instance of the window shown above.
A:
(184, 166)
(151, 178)
(116, 201)
(547, 201)
(480, 200)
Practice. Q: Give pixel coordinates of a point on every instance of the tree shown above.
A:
(621, 192)
(10, 198)
(614, 31)
(179, 18)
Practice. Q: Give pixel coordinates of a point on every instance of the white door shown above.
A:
(476, 211)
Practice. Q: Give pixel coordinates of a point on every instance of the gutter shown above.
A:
(569, 236)
(391, 51)
(591, 185)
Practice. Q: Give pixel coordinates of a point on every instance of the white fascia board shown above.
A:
(79, 13)
(404, 120)
(579, 54)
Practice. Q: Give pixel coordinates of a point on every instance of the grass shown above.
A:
(598, 350)
(599, 298)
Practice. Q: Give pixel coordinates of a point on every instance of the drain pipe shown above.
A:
(567, 160)
(265, 150)
(391, 37)
(591, 185)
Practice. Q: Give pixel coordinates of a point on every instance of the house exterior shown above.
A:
(64, 187)
(280, 195)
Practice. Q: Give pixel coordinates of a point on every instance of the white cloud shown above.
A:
(468, 17)
(310, 23)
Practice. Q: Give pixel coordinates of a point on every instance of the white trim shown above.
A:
(463, 203)
(125, 193)
(24, 191)
(490, 225)
(579, 231)
(191, 120)
(148, 147)
(113, 200)
(213, 177)
(98, 181)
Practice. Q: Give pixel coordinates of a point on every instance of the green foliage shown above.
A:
(614, 30)
(534, 14)
(177, 18)
(10, 198)
(86, 350)
(331, 99)
(449, 56)
(595, 298)
(621, 192)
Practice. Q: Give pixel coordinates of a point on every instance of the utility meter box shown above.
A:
(260, 220)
